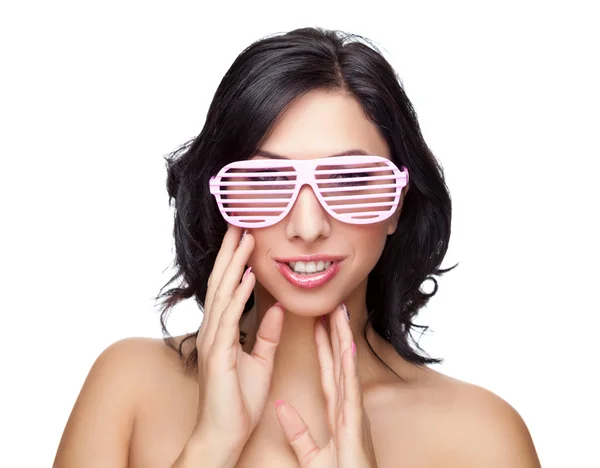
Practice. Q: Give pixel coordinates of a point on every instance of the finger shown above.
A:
(296, 433)
(341, 393)
(230, 281)
(268, 336)
(352, 398)
(228, 330)
(224, 256)
(229, 244)
(325, 356)
(335, 346)
(344, 332)
(344, 341)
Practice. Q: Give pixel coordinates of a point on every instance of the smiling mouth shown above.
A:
(315, 274)
(309, 268)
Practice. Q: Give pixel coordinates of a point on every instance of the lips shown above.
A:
(309, 281)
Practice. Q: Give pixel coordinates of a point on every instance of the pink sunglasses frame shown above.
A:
(304, 170)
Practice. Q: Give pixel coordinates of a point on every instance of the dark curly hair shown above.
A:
(258, 87)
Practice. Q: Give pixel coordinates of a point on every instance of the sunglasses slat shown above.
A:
(259, 183)
(257, 209)
(353, 189)
(371, 214)
(256, 192)
(361, 205)
(360, 197)
(353, 179)
(257, 200)
(258, 218)
(258, 174)
(351, 170)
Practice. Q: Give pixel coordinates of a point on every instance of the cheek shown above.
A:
(264, 239)
(368, 244)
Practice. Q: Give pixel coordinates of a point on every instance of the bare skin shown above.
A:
(138, 409)
(428, 421)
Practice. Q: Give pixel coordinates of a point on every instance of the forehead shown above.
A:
(320, 124)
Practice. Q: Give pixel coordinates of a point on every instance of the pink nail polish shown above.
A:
(278, 403)
(353, 349)
(246, 273)
(243, 235)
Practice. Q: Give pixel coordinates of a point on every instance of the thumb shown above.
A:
(296, 433)
(267, 337)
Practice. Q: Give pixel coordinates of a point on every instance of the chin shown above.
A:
(300, 301)
(307, 305)
(312, 302)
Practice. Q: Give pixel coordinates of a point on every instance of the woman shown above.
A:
(309, 211)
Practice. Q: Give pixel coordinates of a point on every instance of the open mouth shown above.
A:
(309, 274)
(309, 268)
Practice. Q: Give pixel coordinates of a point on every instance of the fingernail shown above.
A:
(278, 403)
(345, 309)
(353, 349)
(246, 273)
(278, 304)
(243, 234)
(323, 319)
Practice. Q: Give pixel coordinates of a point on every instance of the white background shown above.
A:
(93, 96)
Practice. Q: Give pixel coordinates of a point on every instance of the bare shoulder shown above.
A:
(475, 426)
(109, 401)
(151, 353)
(145, 364)
(137, 361)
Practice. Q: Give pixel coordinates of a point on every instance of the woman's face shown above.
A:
(317, 125)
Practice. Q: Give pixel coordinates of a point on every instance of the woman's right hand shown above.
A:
(233, 384)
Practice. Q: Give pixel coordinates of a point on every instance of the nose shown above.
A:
(307, 219)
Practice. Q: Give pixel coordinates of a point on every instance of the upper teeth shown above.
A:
(309, 267)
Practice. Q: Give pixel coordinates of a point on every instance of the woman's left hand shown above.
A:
(350, 445)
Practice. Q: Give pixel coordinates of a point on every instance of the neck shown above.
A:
(296, 373)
